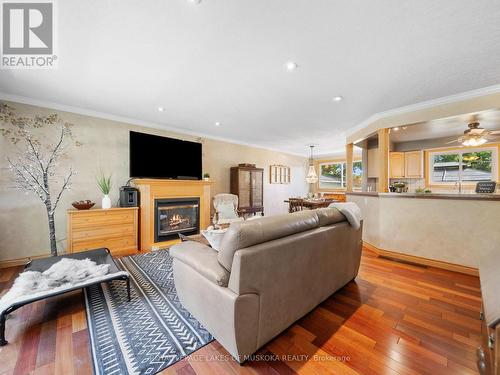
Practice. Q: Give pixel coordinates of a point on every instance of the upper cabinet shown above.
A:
(373, 163)
(414, 164)
(397, 165)
(407, 164)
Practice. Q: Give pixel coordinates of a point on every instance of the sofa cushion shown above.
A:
(249, 233)
(329, 216)
(201, 258)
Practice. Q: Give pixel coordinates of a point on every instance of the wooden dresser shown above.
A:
(114, 228)
(248, 184)
(488, 354)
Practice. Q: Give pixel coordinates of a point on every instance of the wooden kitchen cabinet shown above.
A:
(414, 164)
(406, 164)
(373, 155)
(397, 165)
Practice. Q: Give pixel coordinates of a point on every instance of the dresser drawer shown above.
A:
(90, 219)
(104, 231)
(113, 244)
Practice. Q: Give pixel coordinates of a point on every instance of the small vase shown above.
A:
(106, 201)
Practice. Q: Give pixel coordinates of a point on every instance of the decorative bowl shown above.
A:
(83, 205)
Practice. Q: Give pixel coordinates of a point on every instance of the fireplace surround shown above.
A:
(151, 190)
(176, 215)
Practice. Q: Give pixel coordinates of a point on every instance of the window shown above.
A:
(333, 175)
(469, 166)
(357, 172)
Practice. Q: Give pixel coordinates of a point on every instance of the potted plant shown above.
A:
(206, 176)
(104, 183)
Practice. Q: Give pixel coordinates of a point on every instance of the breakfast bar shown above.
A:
(448, 228)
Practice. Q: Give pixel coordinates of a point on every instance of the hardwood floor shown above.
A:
(395, 319)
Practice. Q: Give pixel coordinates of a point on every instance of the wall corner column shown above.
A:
(383, 159)
(349, 149)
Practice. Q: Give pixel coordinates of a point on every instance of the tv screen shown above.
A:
(152, 156)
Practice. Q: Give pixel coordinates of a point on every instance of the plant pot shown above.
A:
(106, 201)
(206, 178)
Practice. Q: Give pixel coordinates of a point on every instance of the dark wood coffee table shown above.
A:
(100, 256)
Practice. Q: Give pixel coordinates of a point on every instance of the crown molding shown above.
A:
(132, 121)
(425, 105)
(375, 117)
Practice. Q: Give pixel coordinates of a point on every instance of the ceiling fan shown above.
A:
(474, 135)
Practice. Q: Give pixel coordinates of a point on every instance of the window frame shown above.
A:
(460, 151)
(342, 181)
(319, 163)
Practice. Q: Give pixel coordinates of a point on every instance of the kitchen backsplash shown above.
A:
(412, 183)
(415, 183)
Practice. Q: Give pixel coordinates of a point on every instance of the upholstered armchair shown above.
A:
(226, 209)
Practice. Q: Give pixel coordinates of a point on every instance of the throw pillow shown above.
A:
(226, 211)
(214, 237)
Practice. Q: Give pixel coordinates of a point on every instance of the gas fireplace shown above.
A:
(176, 215)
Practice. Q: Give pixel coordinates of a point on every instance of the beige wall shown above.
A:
(23, 223)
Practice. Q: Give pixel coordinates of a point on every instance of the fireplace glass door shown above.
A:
(174, 216)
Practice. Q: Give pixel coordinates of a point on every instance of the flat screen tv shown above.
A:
(152, 156)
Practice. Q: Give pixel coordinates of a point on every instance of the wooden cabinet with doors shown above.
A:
(397, 165)
(414, 164)
(406, 164)
(248, 184)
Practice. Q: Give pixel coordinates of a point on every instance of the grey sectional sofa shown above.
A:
(269, 273)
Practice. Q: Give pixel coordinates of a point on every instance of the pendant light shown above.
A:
(312, 177)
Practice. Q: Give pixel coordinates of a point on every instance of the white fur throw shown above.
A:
(61, 275)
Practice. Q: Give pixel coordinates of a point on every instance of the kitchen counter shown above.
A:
(452, 228)
(462, 196)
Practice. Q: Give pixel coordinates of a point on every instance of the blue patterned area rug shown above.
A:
(147, 334)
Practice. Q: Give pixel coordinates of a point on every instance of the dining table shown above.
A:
(313, 203)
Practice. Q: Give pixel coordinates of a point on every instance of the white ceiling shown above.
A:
(446, 127)
(223, 60)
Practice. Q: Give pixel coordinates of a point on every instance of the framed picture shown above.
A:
(279, 174)
(274, 174)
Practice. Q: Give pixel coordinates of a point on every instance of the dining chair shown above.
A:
(295, 204)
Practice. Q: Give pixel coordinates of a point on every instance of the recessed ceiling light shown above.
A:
(161, 109)
(396, 128)
(217, 123)
(291, 65)
(338, 98)
(404, 127)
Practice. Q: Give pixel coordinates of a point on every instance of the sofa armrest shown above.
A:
(203, 259)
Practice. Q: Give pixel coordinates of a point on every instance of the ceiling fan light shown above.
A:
(480, 141)
(473, 142)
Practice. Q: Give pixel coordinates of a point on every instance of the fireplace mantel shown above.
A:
(151, 189)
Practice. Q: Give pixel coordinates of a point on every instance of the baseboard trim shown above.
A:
(20, 261)
(422, 261)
